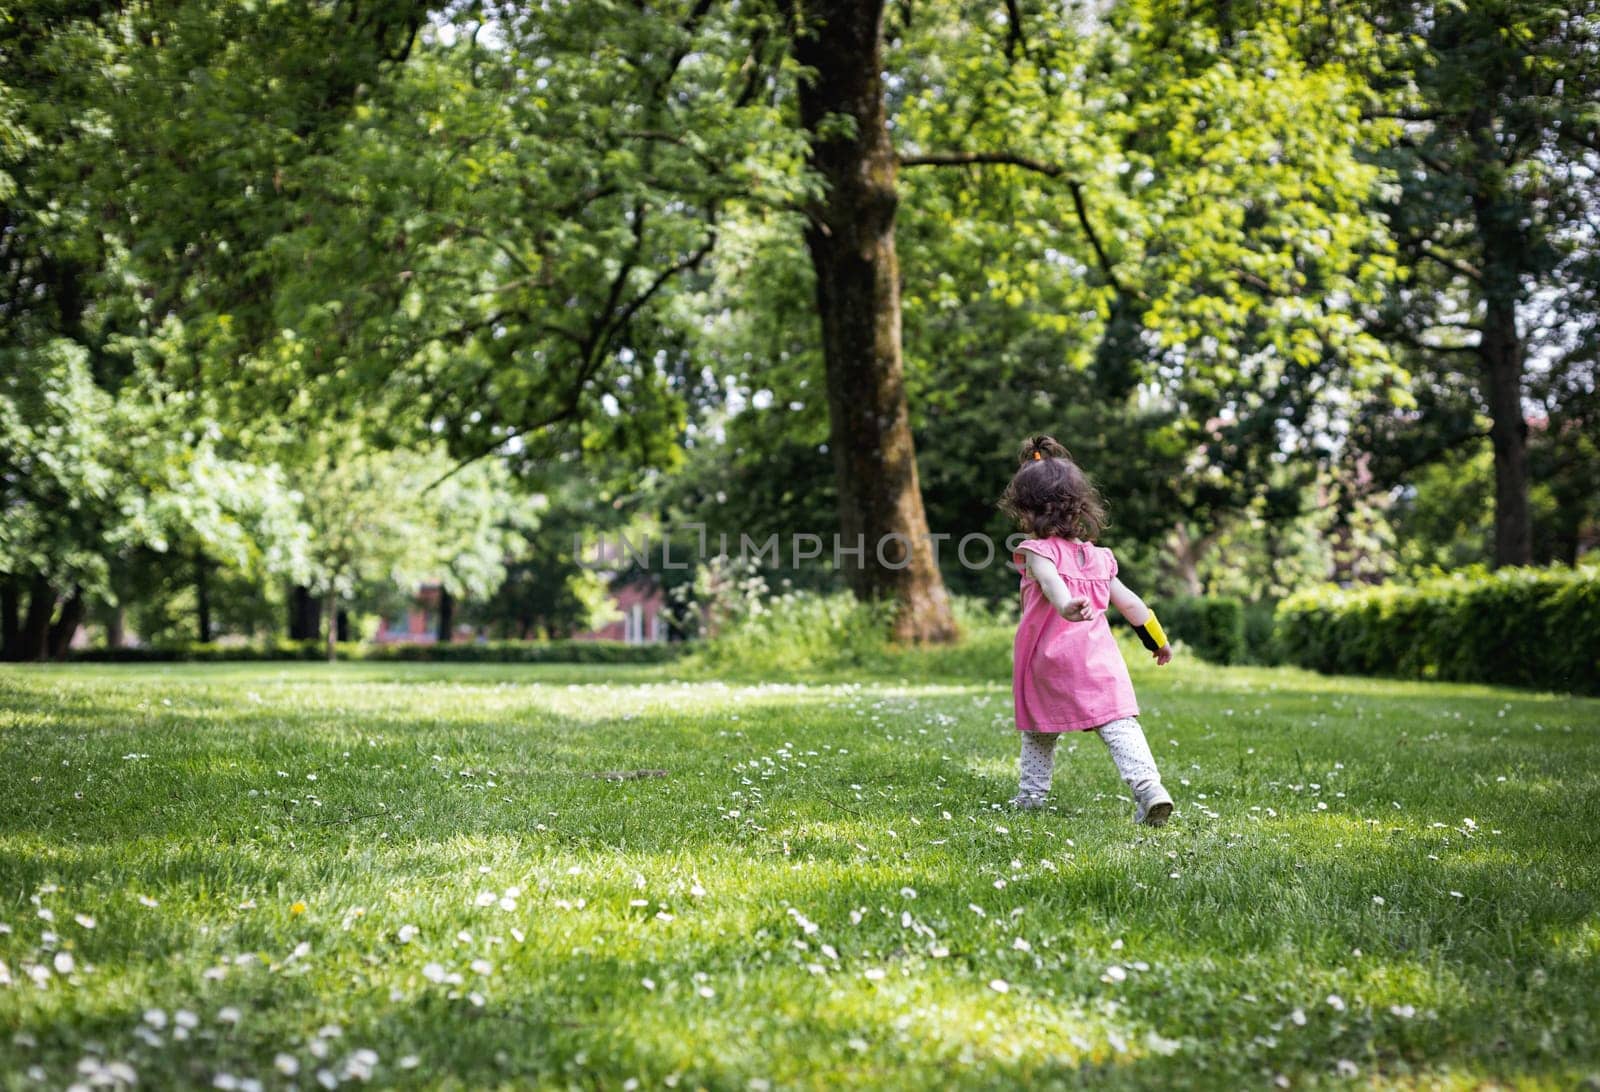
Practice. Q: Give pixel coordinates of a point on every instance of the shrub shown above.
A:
(502, 652)
(810, 632)
(1212, 626)
(988, 631)
(1519, 627)
(196, 652)
(529, 652)
(800, 631)
(1260, 633)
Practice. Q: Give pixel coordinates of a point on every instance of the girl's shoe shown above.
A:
(1028, 801)
(1154, 808)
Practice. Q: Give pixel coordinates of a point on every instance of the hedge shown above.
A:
(1210, 626)
(501, 652)
(1260, 632)
(1517, 627)
(532, 652)
(195, 652)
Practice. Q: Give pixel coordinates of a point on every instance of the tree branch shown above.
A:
(1432, 162)
(605, 317)
(711, 164)
(965, 159)
(482, 451)
(1450, 262)
(1402, 115)
(683, 265)
(1016, 38)
(691, 23)
(1094, 238)
(755, 66)
(1038, 166)
(512, 256)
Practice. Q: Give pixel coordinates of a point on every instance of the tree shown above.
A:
(61, 497)
(1150, 234)
(1564, 453)
(546, 592)
(88, 477)
(488, 253)
(1498, 186)
(850, 237)
(1183, 213)
(478, 519)
(370, 523)
(550, 237)
(116, 233)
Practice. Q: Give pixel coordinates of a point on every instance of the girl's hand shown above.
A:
(1164, 655)
(1077, 609)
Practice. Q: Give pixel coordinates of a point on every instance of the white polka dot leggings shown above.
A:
(1123, 738)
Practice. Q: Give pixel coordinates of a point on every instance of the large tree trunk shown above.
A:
(851, 240)
(1500, 349)
(10, 616)
(303, 612)
(116, 626)
(66, 625)
(202, 594)
(34, 643)
(1186, 555)
(447, 616)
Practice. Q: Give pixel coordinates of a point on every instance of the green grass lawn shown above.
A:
(416, 876)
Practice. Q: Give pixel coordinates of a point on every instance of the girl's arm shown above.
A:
(1072, 608)
(1134, 610)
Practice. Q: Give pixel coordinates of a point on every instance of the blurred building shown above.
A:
(639, 609)
(641, 622)
(418, 622)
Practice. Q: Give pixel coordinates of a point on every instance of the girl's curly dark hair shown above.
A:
(1051, 496)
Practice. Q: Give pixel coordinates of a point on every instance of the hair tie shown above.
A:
(1037, 455)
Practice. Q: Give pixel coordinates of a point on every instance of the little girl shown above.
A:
(1069, 675)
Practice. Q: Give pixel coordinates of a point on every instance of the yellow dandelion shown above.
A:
(298, 908)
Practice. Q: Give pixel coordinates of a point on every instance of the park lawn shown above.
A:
(411, 875)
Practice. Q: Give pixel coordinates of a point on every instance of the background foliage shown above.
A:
(341, 298)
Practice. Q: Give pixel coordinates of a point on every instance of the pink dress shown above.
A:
(1069, 676)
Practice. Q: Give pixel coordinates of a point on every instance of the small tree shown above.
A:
(371, 520)
(88, 476)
